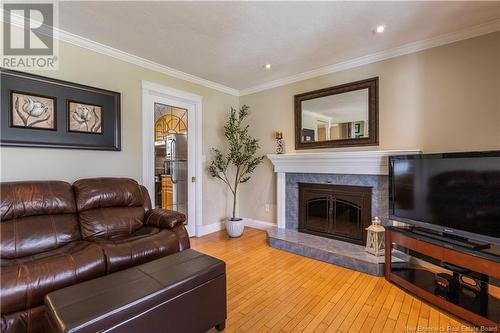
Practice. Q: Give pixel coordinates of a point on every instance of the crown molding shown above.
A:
(148, 64)
(409, 48)
(414, 47)
(68, 37)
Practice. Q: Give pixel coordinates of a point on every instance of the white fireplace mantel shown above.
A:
(374, 162)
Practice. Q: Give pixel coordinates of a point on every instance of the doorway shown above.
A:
(171, 157)
(172, 151)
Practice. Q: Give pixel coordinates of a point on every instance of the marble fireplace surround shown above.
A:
(362, 168)
(378, 183)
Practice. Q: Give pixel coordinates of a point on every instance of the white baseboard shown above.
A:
(218, 226)
(257, 224)
(209, 228)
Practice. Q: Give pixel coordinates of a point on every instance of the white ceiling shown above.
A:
(229, 42)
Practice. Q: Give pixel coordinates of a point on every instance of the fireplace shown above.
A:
(337, 211)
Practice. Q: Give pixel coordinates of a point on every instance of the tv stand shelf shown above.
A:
(432, 256)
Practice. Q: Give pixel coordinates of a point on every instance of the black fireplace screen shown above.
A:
(336, 211)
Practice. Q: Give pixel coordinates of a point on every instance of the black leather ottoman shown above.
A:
(183, 292)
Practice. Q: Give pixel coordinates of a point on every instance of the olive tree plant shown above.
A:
(237, 165)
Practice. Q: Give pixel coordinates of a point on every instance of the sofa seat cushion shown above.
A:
(145, 244)
(25, 281)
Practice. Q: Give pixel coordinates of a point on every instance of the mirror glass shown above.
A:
(336, 117)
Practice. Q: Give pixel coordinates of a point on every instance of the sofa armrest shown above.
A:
(180, 231)
(163, 219)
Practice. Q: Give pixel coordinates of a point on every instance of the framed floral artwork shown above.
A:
(84, 118)
(32, 111)
(38, 111)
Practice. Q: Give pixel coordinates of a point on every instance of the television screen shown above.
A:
(454, 193)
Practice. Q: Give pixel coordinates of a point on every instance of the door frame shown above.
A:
(194, 105)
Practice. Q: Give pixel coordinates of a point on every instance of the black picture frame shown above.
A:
(62, 92)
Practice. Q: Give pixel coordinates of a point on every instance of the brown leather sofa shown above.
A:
(53, 235)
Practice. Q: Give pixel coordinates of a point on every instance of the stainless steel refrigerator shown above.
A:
(171, 156)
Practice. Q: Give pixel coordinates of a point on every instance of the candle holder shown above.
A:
(280, 143)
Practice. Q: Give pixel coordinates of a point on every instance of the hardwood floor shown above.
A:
(275, 291)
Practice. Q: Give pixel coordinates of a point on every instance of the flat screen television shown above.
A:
(451, 193)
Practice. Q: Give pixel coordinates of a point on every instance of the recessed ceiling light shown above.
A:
(267, 66)
(380, 29)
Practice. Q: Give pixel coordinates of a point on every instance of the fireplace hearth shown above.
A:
(336, 211)
(331, 242)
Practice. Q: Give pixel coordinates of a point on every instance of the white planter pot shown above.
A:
(235, 228)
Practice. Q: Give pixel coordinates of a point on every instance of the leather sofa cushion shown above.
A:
(36, 217)
(109, 207)
(34, 234)
(30, 198)
(107, 192)
(146, 244)
(32, 320)
(111, 221)
(24, 282)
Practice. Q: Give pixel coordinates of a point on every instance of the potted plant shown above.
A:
(237, 166)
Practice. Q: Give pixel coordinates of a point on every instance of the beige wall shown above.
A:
(442, 99)
(90, 68)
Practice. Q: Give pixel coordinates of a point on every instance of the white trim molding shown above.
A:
(374, 162)
(206, 229)
(257, 224)
(280, 199)
(414, 47)
(152, 92)
(180, 94)
(148, 64)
